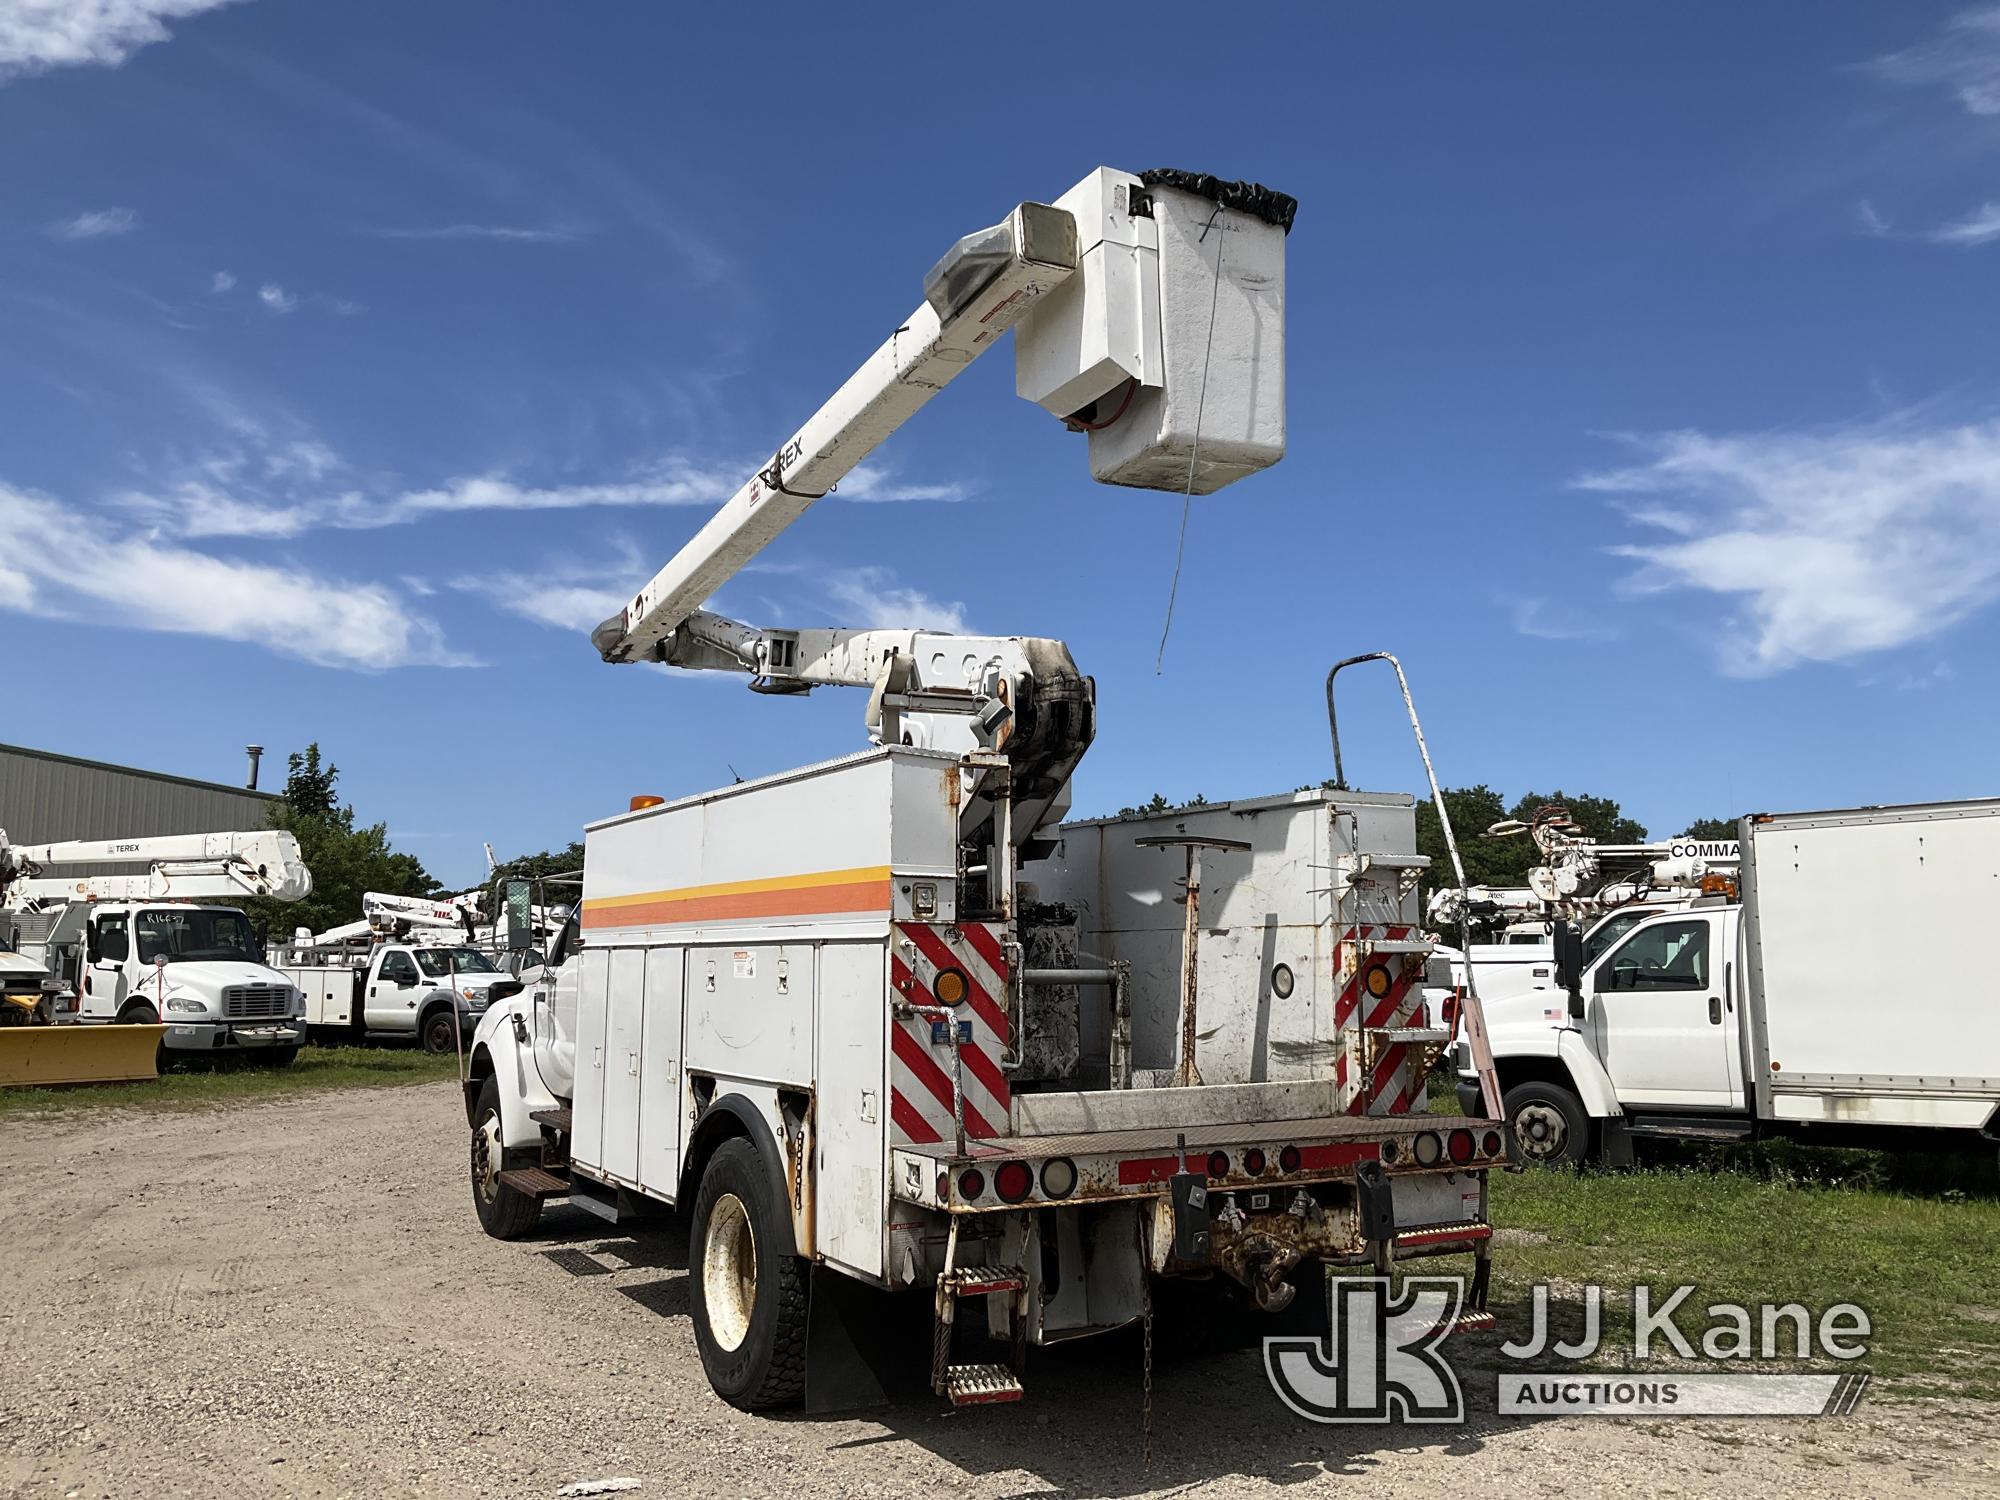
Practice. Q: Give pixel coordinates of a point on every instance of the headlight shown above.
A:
(477, 997)
(192, 1005)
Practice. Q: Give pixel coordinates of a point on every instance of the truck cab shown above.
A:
(1656, 1028)
(198, 969)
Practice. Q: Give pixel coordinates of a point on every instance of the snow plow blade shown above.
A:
(78, 1054)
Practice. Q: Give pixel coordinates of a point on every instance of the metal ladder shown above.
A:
(981, 1383)
(1471, 1015)
(1385, 882)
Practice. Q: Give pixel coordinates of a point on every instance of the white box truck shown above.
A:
(1806, 1008)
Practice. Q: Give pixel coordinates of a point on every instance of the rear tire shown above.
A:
(1548, 1123)
(749, 1295)
(503, 1212)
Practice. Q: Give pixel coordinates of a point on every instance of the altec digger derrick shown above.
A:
(889, 1019)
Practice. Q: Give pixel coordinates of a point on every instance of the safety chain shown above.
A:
(1146, 1383)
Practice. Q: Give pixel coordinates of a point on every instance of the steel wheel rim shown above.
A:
(1541, 1131)
(729, 1272)
(486, 1157)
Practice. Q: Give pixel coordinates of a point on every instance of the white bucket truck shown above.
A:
(837, 1013)
(160, 946)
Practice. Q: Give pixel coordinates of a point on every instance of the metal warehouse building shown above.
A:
(46, 797)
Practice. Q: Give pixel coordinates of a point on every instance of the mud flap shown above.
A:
(843, 1363)
(1191, 1217)
(1376, 1199)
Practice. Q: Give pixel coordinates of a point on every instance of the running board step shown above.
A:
(1692, 1128)
(555, 1119)
(535, 1183)
(979, 1385)
(983, 1281)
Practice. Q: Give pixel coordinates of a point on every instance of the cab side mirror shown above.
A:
(1569, 965)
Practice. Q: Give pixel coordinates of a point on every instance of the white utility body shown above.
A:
(1781, 1013)
(409, 969)
(885, 1020)
(158, 946)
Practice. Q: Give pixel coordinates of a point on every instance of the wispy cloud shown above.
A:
(568, 594)
(1980, 227)
(874, 484)
(1962, 57)
(222, 281)
(37, 35)
(276, 297)
(1833, 544)
(518, 233)
(63, 563)
(871, 599)
(1546, 620)
(98, 223)
(248, 488)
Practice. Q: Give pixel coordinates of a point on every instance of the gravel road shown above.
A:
(294, 1299)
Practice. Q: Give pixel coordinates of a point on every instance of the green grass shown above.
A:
(1910, 1239)
(201, 1087)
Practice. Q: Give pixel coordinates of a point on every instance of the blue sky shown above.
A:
(355, 359)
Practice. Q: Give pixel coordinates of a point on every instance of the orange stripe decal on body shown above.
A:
(861, 890)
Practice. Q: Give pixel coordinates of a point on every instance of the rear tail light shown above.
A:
(1059, 1177)
(1391, 1152)
(1489, 1144)
(944, 1186)
(1461, 1146)
(1288, 1159)
(971, 1183)
(1013, 1181)
(1429, 1149)
(1218, 1163)
(1253, 1161)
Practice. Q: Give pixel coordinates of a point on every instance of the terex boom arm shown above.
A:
(193, 865)
(1148, 311)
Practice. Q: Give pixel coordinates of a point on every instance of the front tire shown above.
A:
(504, 1212)
(1549, 1125)
(749, 1294)
(437, 1033)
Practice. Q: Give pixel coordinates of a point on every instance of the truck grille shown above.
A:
(241, 1001)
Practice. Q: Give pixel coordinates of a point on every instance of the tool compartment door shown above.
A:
(661, 1111)
(850, 1196)
(587, 1109)
(624, 1025)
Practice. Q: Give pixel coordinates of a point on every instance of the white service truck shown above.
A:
(405, 971)
(156, 947)
(1791, 1011)
(428, 993)
(836, 1013)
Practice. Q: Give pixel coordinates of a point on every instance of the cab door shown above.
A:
(1661, 1018)
(106, 947)
(394, 986)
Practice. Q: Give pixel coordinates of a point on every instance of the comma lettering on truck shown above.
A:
(1785, 1012)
